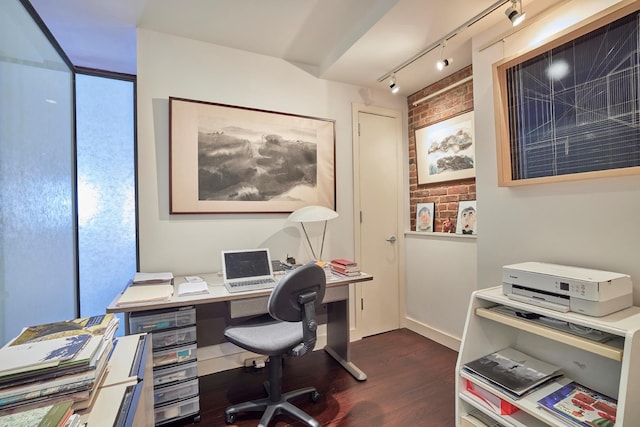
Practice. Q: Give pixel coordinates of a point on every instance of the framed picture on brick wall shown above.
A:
(467, 218)
(445, 150)
(424, 217)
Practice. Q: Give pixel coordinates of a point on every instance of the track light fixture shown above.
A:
(393, 85)
(515, 14)
(443, 63)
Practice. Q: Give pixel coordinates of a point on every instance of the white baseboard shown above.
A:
(225, 356)
(436, 335)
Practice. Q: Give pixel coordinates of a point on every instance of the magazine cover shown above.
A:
(581, 405)
(93, 325)
(513, 370)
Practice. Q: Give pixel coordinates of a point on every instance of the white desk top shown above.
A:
(217, 293)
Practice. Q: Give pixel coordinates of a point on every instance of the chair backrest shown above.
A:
(294, 299)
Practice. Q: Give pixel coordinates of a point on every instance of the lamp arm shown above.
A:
(308, 241)
(323, 234)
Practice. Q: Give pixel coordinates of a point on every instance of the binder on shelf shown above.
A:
(493, 402)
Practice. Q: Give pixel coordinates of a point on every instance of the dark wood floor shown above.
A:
(410, 383)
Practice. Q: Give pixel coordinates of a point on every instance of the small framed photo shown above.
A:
(467, 218)
(424, 217)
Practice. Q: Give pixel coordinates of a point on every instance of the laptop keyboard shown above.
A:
(252, 283)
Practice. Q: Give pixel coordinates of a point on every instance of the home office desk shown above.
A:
(255, 302)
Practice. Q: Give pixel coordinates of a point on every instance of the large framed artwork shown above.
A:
(445, 150)
(229, 159)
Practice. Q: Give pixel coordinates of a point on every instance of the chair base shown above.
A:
(272, 408)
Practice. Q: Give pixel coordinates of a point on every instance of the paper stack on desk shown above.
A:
(147, 293)
(147, 278)
(193, 287)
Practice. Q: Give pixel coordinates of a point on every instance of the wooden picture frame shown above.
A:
(445, 150)
(566, 110)
(230, 159)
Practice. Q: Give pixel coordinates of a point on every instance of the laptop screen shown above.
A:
(243, 264)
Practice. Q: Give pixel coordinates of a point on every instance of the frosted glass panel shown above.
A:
(106, 189)
(37, 220)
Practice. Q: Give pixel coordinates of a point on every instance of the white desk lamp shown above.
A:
(313, 214)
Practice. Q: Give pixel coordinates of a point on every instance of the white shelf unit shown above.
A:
(612, 368)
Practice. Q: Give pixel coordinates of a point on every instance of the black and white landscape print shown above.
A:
(228, 159)
(236, 163)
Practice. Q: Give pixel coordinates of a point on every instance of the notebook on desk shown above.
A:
(247, 270)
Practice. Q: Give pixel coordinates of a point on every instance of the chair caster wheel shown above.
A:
(230, 418)
(315, 396)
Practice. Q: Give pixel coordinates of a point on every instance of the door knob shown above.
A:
(392, 239)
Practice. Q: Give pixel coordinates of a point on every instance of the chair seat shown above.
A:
(264, 336)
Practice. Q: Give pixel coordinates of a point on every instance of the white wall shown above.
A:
(173, 66)
(589, 223)
(441, 273)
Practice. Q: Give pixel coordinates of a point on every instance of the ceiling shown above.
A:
(351, 41)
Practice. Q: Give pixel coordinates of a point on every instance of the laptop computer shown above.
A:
(247, 270)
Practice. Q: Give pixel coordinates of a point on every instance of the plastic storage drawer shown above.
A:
(174, 337)
(185, 353)
(182, 409)
(175, 392)
(161, 319)
(174, 374)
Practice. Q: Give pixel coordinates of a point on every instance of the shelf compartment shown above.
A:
(174, 355)
(177, 410)
(174, 374)
(150, 321)
(178, 391)
(530, 413)
(174, 337)
(594, 347)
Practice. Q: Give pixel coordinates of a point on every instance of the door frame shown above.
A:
(402, 180)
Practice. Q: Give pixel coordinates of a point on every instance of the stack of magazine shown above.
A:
(56, 362)
(579, 406)
(512, 372)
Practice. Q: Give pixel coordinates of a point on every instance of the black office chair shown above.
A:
(289, 330)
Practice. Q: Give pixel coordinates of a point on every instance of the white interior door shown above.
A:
(376, 153)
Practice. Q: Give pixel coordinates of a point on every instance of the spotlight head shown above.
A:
(393, 86)
(516, 17)
(443, 63)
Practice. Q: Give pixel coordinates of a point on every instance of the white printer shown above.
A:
(564, 288)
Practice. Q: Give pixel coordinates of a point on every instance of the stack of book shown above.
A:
(147, 287)
(580, 406)
(344, 267)
(512, 372)
(55, 415)
(56, 362)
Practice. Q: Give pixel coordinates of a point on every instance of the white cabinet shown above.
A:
(611, 368)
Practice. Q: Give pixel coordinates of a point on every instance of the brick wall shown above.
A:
(446, 195)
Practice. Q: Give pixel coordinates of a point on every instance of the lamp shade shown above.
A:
(312, 214)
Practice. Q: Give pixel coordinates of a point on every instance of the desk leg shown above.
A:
(338, 337)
